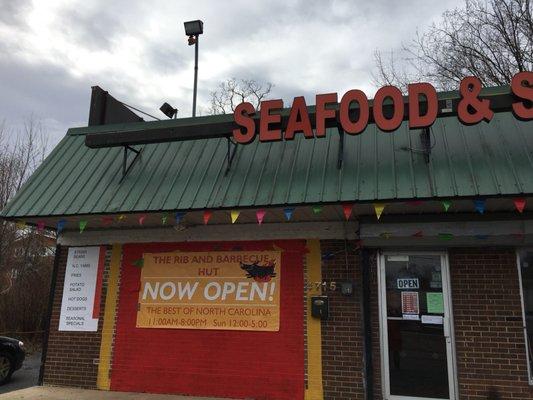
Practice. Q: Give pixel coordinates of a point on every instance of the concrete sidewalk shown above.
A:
(57, 393)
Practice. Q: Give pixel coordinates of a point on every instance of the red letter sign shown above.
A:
(524, 92)
(322, 112)
(348, 125)
(299, 120)
(242, 118)
(428, 91)
(266, 134)
(388, 124)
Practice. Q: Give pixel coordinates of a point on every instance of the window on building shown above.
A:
(525, 260)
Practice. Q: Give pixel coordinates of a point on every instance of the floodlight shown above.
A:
(194, 28)
(168, 110)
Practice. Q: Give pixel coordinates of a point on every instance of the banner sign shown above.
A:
(234, 290)
(80, 306)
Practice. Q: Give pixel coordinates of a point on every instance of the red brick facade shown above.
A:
(489, 339)
(72, 357)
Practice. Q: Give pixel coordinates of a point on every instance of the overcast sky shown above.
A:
(52, 52)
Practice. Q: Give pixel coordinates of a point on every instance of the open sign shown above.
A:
(408, 283)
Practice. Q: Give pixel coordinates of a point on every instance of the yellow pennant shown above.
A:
(21, 224)
(378, 208)
(234, 216)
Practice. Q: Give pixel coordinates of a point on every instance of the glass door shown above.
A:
(417, 347)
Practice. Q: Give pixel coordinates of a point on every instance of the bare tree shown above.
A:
(491, 39)
(231, 92)
(25, 254)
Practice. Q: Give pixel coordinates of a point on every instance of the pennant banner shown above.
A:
(83, 225)
(347, 210)
(480, 205)
(207, 216)
(260, 215)
(445, 236)
(520, 204)
(234, 215)
(121, 217)
(164, 218)
(61, 225)
(446, 204)
(106, 221)
(317, 209)
(378, 208)
(288, 213)
(179, 216)
(21, 224)
(141, 219)
(40, 226)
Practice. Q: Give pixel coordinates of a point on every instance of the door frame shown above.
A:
(448, 324)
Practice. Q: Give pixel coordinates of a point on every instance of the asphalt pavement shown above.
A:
(25, 377)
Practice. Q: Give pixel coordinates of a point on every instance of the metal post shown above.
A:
(197, 37)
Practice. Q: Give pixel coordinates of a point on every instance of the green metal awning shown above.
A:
(488, 159)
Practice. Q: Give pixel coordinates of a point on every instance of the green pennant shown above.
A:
(138, 263)
(164, 219)
(445, 236)
(83, 225)
(317, 209)
(446, 204)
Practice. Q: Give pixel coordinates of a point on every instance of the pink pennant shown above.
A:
(347, 209)
(141, 219)
(106, 221)
(260, 215)
(520, 204)
(207, 216)
(40, 226)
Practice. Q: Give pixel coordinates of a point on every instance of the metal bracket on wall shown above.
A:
(232, 149)
(340, 154)
(125, 166)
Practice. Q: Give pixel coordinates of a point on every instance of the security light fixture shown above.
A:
(194, 28)
(168, 110)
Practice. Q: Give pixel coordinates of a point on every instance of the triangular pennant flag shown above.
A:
(260, 215)
(418, 234)
(347, 210)
(378, 208)
(164, 218)
(288, 213)
(480, 205)
(520, 204)
(179, 216)
(317, 209)
(21, 224)
(83, 225)
(141, 219)
(60, 225)
(445, 236)
(121, 217)
(207, 216)
(234, 215)
(106, 221)
(446, 204)
(40, 226)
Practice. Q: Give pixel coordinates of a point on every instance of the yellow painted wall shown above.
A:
(103, 381)
(314, 389)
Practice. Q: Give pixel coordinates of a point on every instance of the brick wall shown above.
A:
(488, 325)
(342, 336)
(72, 357)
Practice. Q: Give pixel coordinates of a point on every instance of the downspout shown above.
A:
(367, 326)
(46, 333)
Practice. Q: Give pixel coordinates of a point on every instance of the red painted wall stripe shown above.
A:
(234, 364)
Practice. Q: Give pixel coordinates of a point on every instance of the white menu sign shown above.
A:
(79, 290)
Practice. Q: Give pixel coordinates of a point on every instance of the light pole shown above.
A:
(193, 29)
